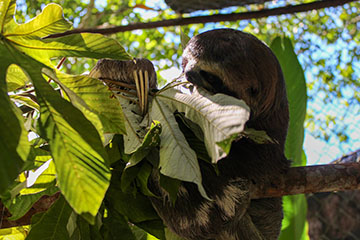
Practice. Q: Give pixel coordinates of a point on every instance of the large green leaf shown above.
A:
(77, 150)
(97, 98)
(177, 159)
(52, 224)
(222, 118)
(294, 206)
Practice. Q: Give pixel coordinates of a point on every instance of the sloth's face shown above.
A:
(238, 64)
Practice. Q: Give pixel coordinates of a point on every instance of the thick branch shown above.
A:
(310, 179)
(212, 18)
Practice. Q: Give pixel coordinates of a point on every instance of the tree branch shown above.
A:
(310, 179)
(211, 18)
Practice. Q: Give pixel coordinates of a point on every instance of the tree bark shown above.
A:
(310, 179)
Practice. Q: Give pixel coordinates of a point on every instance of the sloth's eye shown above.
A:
(253, 91)
(214, 81)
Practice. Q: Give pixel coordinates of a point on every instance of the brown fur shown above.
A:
(237, 64)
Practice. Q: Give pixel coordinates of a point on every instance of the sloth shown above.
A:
(235, 63)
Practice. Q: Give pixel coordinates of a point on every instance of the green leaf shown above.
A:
(75, 45)
(7, 10)
(115, 149)
(154, 227)
(139, 233)
(25, 101)
(97, 99)
(14, 145)
(177, 159)
(28, 37)
(143, 177)
(45, 180)
(128, 177)
(294, 206)
(52, 224)
(184, 37)
(222, 118)
(115, 225)
(151, 140)
(135, 206)
(14, 233)
(171, 186)
(131, 171)
(171, 236)
(75, 144)
(297, 96)
(84, 228)
(50, 20)
(38, 156)
(80, 104)
(15, 78)
(78, 228)
(193, 135)
(258, 136)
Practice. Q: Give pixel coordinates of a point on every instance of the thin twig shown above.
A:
(211, 18)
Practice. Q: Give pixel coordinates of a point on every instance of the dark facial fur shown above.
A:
(237, 64)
